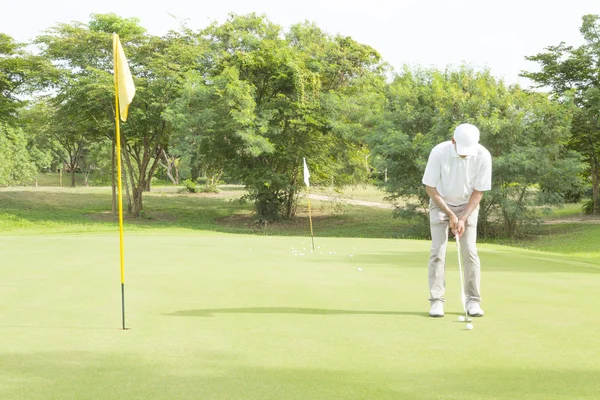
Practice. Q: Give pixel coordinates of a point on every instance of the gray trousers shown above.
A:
(439, 242)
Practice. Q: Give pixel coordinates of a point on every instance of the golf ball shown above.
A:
(469, 327)
(461, 319)
(360, 269)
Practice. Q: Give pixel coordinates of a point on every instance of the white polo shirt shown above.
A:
(455, 177)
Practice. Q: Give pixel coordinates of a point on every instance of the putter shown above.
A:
(462, 286)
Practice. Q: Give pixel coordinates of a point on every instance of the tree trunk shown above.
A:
(151, 173)
(60, 176)
(137, 200)
(72, 176)
(170, 167)
(289, 206)
(169, 174)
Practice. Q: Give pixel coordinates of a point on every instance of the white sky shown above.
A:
(483, 33)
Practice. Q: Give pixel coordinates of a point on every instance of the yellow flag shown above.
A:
(123, 79)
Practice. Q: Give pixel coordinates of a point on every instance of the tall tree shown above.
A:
(20, 73)
(83, 54)
(268, 100)
(572, 74)
(526, 134)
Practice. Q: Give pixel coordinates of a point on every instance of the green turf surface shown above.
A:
(216, 316)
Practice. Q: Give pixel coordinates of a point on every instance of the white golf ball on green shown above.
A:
(461, 319)
(469, 327)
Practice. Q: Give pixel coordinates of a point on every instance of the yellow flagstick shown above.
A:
(119, 187)
(127, 90)
(307, 182)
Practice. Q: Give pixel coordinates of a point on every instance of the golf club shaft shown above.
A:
(462, 287)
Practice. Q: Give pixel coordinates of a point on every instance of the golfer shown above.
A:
(457, 173)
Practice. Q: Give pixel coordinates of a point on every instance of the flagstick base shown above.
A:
(123, 304)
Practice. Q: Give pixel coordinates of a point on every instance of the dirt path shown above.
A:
(353, 202)
(582, 219)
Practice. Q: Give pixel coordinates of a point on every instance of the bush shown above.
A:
(208, 189)
(190, 186)
(588, 207)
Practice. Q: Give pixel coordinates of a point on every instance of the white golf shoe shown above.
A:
(437, 309)
(474, 309)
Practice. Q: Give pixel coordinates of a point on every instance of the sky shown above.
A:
(430, 33)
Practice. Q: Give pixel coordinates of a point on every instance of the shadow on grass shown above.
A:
(209, 312)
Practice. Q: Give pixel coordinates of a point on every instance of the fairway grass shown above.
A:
(219, 316)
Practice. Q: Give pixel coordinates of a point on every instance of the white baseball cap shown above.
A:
(466, 137)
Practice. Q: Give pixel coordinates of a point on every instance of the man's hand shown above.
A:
(453, 221)
(460, 227)
(437, 199)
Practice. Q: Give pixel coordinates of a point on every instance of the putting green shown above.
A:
(246, 317)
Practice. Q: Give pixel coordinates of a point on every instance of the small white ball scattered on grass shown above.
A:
(250, 249)
(461, 319)
(360, 269)
(351, 255)
(469, 327)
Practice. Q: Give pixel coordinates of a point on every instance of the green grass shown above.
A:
(222, 308)
(55, 210)
(577, 240)
(565, 211)
(241, 317)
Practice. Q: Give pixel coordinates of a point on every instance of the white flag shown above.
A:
(306, 173)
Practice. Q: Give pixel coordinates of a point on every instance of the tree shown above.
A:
(83, 55)
(265, 102)
(20, 73)
(526, 134)
(16, 165)
(572, 74)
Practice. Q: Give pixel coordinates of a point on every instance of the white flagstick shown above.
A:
(307, 183)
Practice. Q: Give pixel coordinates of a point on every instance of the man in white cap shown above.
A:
(457, 173)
